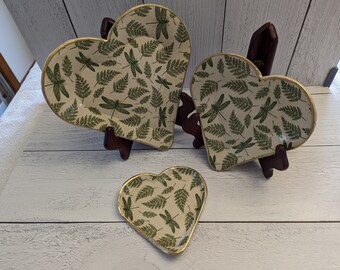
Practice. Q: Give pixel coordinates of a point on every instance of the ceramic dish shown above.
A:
(164, 208)
(243, 115)
(131, 81)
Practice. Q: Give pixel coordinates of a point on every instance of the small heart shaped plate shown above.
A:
(164, 208)
(130, 82)
(244, 116)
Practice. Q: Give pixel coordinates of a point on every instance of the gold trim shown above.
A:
(141, 232)
(71, 41)
(263, 78)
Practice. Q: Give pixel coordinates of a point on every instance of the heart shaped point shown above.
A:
(164, 208)
(130, 82)
(244, 116)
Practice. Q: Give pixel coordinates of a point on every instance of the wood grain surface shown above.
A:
(307, 29)
(318, 48)
(244, 17)
(213, 246)
(43, 24)
(87, 15)
(72, 186)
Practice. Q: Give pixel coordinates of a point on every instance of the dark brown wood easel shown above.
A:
(261, 52)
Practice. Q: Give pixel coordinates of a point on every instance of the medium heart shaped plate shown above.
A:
(164, 208)
(244, 116)
(131, 81)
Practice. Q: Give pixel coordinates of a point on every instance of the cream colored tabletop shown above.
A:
(58, 209)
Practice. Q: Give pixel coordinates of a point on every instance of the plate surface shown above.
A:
(243, 115)
(164, 208)
(131, 81)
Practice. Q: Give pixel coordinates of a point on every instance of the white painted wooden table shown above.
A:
(58, 210)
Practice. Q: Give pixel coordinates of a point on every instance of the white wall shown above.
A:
(12, 45)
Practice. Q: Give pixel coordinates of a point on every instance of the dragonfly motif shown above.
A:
(265, 110)
(163, 82)
(170, 221)
(57, 81)
(133, 63)
(127, 208)
(162, 117)
(87, 62)
(243, 146)
(115, 105)
(216, 109)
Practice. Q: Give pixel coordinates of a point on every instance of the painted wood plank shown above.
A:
(83, 186)
(318, 90)
(213, 246)
(51, 133)
(204, 20)
(244, 17)
(43, 24)
(318, 48)
(327, 130)
(87, 15)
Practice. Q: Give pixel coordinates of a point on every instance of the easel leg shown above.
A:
(278, 161)
(189, 125)
(111, 142)
(106, 27)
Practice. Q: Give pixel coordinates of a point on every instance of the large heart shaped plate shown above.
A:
(131, 81)
(243, 115)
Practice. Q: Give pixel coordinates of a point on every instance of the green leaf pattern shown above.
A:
(166, 215)
(243, 117)
(141, 64)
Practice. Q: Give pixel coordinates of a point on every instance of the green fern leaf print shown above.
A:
(182, 34)
(136, 29)
(156, 203)
(237, 67)
(263, 141)
(82, 87)
(292, 130)
(291, 92)
(238, 86)
(181, 197)
(229, 161)
(235, 124)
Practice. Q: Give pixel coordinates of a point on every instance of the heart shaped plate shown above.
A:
(164, 208)
(131, 81)
(244, 116)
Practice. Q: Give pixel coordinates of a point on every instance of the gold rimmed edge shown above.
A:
(140, 231)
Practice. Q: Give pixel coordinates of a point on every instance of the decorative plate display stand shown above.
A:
(244, 116)
(164, 208)
(130, 82)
